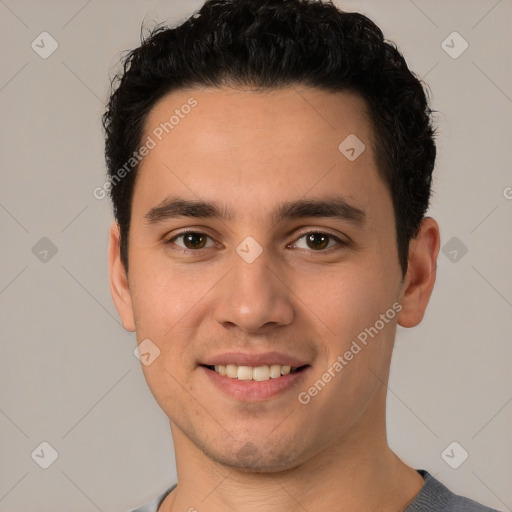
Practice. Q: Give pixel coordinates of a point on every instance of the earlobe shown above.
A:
(421, 274)
(119, 287)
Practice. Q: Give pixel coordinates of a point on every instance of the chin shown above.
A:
(254, 459)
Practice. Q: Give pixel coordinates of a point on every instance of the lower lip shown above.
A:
(251, 390)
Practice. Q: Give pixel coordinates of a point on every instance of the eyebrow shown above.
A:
(330, 207)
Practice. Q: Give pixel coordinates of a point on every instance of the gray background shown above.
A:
(68, 373)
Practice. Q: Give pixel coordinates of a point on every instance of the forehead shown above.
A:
(254, 118)
(255, 147)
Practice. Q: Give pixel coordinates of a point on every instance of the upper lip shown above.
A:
(260, 359)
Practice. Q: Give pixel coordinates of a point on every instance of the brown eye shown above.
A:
(318, 241)
(192, 240)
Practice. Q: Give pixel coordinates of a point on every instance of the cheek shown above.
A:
(163, 304)
(157, 302)
(357, 343)
(350, 304)
(160, 295)
(170, 304)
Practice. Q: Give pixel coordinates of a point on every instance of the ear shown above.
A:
(119, 287)
(421, 274)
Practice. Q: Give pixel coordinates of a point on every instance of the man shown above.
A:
(270, 168)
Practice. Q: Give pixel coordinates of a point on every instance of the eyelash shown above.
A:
(340, 242)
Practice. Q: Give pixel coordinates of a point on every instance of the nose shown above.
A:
(254, 297)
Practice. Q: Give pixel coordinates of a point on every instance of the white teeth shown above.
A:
(244, 373)
(258, 373)
(231, 370)
(261, 373)
(275, 371)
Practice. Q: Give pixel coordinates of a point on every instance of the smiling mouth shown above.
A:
(256, 373)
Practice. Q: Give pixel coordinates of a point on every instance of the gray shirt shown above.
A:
(433, 497)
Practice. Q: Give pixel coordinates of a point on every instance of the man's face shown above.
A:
(306, 297)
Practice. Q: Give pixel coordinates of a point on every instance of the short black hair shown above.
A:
(271, 44)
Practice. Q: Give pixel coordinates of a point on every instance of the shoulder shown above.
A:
(152, 506)
(436, 497)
